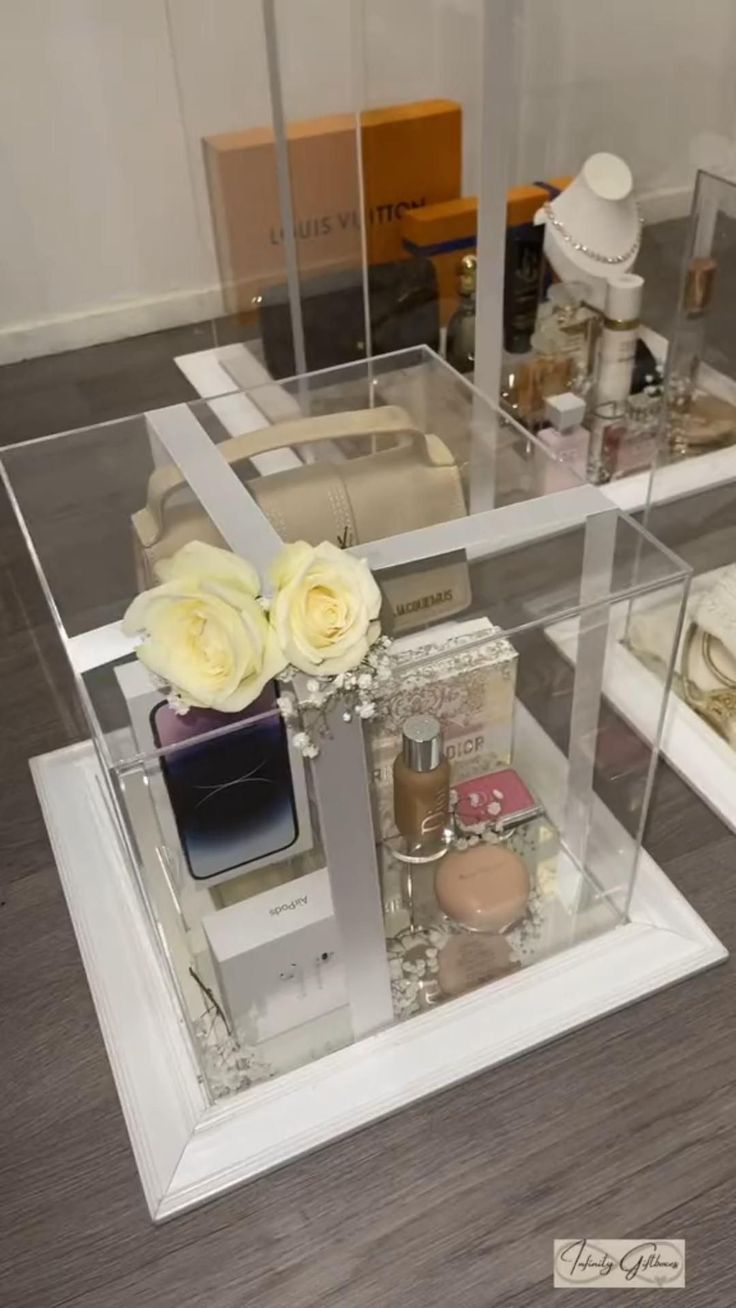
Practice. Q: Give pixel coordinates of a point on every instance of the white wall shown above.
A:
(651, 80)
(104, 224)
(96, 209)
(104, 220)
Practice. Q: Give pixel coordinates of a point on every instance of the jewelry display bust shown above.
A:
(593, 227)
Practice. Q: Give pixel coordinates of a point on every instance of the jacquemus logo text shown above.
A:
(285, 908)
(424, 602)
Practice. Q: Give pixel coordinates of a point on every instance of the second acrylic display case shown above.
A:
(275, 958)
(691, 508)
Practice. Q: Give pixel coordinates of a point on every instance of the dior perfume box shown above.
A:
(462, 673)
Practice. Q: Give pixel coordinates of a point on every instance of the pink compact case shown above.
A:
(498, 797)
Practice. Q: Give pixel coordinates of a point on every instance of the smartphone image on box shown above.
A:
(233, 798)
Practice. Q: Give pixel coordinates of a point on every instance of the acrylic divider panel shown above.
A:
(268, 180)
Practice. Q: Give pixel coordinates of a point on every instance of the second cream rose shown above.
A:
(325, 608)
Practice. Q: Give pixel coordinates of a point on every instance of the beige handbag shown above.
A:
(414, 483)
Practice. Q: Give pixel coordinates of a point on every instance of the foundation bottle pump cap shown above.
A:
(421, 747)
(623, 297)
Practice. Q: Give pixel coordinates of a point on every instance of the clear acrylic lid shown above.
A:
(425, 457)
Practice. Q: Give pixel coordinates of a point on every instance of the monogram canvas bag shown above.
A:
(414, 483)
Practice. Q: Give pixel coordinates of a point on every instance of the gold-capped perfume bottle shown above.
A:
(460, 344)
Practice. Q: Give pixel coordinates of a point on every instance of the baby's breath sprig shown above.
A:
(358, 692)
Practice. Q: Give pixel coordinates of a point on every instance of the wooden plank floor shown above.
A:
(627, 1127)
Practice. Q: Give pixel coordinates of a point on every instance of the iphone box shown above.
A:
(222, 810)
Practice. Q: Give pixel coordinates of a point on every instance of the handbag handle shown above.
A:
(387, 420)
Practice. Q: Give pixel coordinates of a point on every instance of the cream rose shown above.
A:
(204, 631)
(325, 608)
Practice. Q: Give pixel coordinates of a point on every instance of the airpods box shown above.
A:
(277, 958)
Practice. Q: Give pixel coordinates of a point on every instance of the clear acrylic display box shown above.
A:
(692, 506)
(271, 975)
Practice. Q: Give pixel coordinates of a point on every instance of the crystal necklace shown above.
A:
(552, 218)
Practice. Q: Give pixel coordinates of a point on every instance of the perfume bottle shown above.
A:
(563, 344)
(422, 786)
(460, 343)
(567, 440)
(623, 438)
(528, 381)
(607, 432)
(687, 344)
(567, 326)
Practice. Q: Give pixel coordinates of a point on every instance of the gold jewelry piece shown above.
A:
(717, 707)
(711, 665)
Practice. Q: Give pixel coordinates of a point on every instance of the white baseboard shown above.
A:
(114, 322)
(669, 202)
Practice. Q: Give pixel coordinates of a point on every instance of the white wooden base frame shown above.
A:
(696, 752)
(189, 1150)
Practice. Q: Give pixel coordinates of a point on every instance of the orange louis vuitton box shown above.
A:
(412, 156)
(444, 232)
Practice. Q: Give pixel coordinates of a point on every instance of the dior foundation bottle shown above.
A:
(422, 786)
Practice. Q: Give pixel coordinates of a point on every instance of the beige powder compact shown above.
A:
(484, 888)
